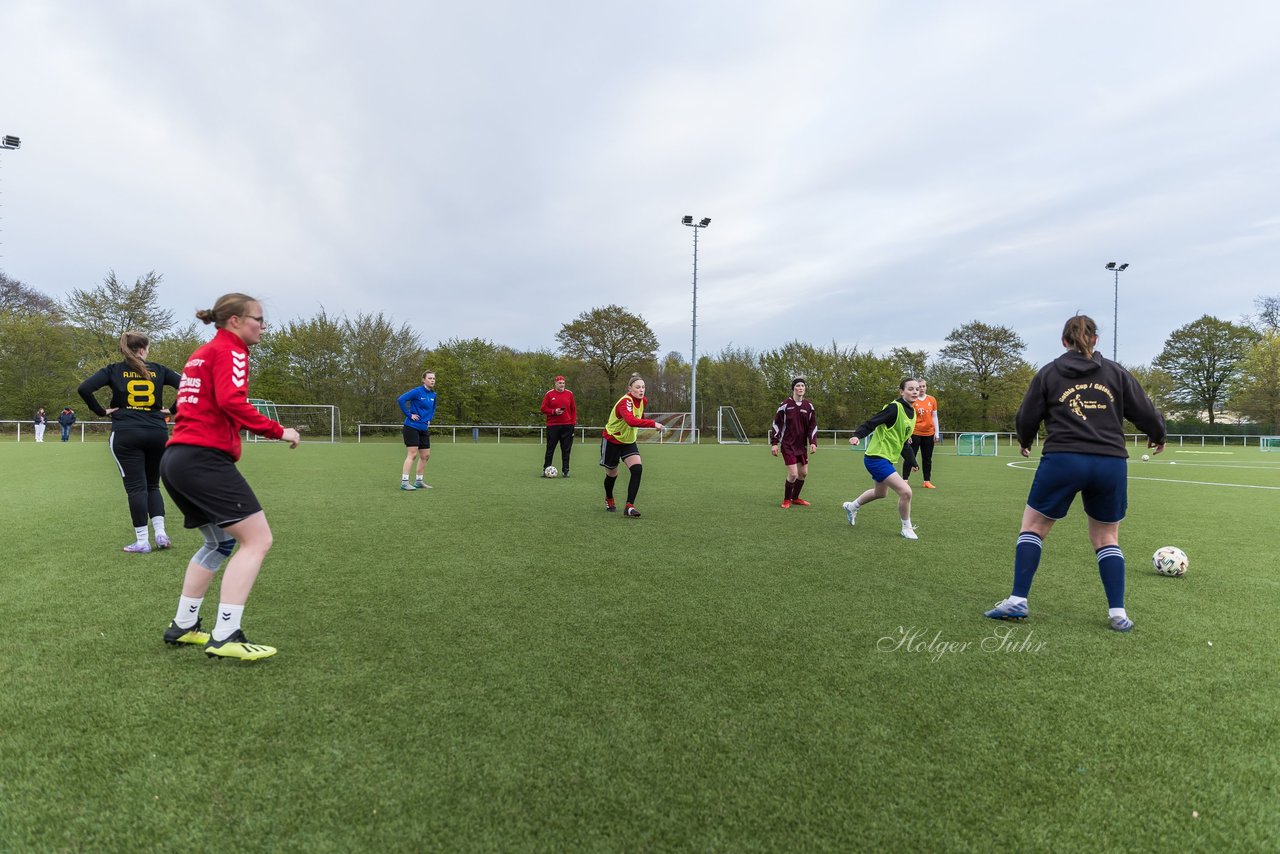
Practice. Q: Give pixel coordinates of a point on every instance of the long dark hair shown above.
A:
(1080, 332)
(131, 345)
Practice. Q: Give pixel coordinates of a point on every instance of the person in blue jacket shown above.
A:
(419, 408)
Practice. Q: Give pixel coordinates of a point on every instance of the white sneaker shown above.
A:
(909, 532)
(418, 484)
(851, 512)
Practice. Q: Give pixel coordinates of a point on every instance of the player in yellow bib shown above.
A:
(889, 429)
(618, 444)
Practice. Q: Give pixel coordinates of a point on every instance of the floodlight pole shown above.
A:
(693, 394)
(1117, 268)
(11, 143)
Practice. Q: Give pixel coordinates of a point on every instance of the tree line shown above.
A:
(361, 364)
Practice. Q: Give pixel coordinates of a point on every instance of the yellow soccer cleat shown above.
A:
(176, 634)
(238, 646)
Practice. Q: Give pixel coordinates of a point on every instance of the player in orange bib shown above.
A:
(924, 435)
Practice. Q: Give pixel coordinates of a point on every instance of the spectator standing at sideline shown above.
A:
(65, 419)
(42, 421)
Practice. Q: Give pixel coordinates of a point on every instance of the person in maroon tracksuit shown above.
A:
(794, 434)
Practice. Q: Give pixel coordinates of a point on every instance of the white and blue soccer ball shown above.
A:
(1170, 561)
(550, 471)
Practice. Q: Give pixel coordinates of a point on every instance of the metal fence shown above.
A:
(91, 431)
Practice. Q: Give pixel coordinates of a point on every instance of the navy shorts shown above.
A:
(879, 467)
(1102, 482)
(415, 438)
(207, 486)
(611, 453)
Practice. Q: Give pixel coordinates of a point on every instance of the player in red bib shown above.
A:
(794, 434)
(199, 470)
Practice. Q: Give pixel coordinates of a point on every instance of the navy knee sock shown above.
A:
(1026, 559)
(1111, 569)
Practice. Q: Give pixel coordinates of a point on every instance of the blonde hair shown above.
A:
(131, 346)
(227, 307)
(1080, 332)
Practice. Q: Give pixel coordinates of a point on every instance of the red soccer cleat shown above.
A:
(800, 502)
(786, 503)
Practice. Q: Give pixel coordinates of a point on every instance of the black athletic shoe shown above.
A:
(610, 506)
(631, 511)
(564, 473)
(176, 634)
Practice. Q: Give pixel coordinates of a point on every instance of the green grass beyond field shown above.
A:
(499, 665)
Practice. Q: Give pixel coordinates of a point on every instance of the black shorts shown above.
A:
(415, 438)
(207, 486)
(611, 453)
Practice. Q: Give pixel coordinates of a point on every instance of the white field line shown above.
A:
(1022, 465)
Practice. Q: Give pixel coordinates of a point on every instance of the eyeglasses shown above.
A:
(258, 318)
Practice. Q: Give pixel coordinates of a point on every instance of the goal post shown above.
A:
(314, 422)
(679, 429)
(977, 445)
(1269, 443)
(729, 430)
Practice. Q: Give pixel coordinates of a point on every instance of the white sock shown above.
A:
(1117, 612)
(906, 523)
(228, 621)
(404, 478)
(188, 611)
(1017, 600)
(856, 505)
(141, 533)
(419, 478)
(157, 524)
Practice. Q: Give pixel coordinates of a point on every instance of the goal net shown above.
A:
(679, 429)
(729, 429)
(976, 444)
(1269, 443)
(314, 422)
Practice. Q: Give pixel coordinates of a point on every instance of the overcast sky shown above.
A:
(876, 173)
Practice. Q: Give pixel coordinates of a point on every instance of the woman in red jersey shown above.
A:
(199, 470)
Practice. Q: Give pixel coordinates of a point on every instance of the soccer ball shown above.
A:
(550, 471)
(1146, 457)
(1170, 561)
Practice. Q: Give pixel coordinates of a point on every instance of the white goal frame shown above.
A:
(727, 422)
(978, 444)
(327, 417)
(1268, 443)
(679, 430)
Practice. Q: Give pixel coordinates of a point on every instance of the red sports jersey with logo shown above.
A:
(213, 398)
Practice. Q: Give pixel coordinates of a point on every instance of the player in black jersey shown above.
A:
(138, 431)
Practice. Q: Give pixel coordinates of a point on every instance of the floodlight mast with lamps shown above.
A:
(10, 143)
(693, 385)
(1117, 268)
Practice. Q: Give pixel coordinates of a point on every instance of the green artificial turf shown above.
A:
(497, 664)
